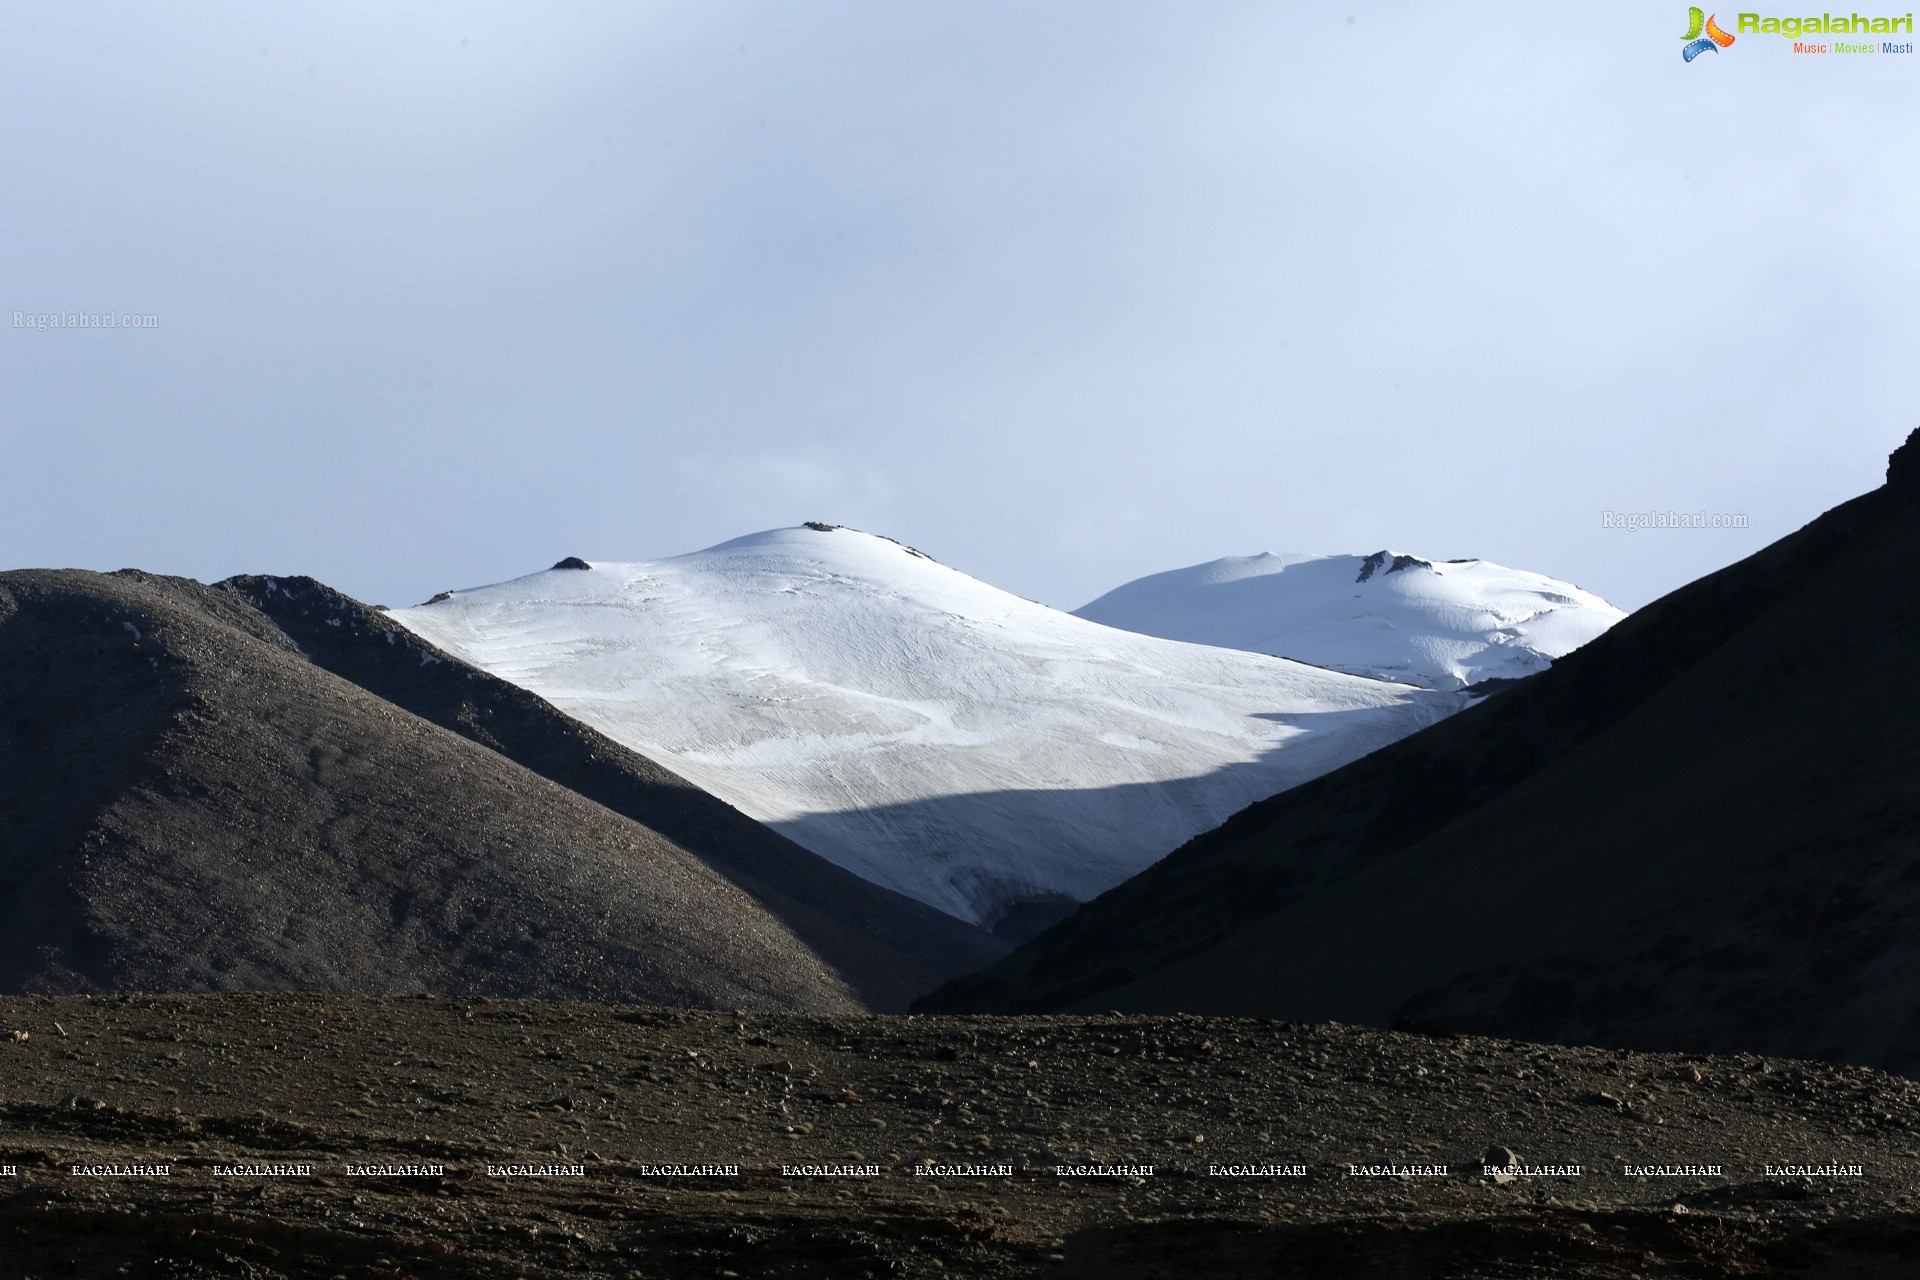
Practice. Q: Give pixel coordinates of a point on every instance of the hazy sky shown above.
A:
(1063, 293)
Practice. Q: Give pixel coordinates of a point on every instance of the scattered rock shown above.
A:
(1423, 1027)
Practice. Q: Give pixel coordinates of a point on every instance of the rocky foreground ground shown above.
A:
(329, 1136)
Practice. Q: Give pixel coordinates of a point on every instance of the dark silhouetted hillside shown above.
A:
(1700, 831)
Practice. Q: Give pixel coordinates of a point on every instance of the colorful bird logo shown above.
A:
(1713, 41)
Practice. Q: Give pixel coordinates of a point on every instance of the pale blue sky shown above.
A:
(1064, 294)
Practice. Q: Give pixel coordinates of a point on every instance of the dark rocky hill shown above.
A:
(1701, 831)
(891, 946)
(191, 799)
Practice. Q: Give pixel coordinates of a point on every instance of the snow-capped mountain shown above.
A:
(993, 757)
(1439, 624)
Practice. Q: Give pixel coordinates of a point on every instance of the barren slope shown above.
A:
(889, 946)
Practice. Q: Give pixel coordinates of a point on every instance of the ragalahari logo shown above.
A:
(1713, 41)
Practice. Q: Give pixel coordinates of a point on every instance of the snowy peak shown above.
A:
(807, 538)
(820, 527)
(1439, 624)
(993, 757)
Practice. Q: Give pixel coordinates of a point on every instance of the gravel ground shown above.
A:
(615, 1097)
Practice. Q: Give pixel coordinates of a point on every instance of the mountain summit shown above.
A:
(1439, 624)
(990, 756)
